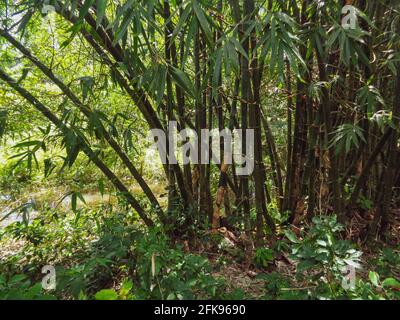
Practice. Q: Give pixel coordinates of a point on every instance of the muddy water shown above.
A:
(7, 216)
(6, 206)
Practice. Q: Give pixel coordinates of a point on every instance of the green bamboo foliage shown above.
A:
(217, 64)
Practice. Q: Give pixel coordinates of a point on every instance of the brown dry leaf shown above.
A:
(222, 230)
(317, 151)
(153, 264)
(324, 189)
(299, 212)
(359, 167)
(232, 236)
(326, 161)
(186, 247)
(251, 274)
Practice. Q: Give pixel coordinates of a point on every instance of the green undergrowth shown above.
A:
(107, 254)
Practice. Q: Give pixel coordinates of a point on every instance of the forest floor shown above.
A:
(232, 263)
(236, 274)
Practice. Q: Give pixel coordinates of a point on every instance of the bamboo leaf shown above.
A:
(182, 79)
(85, 8)
(128, 17)
(101, 9)
(217, 72)
(203, 21)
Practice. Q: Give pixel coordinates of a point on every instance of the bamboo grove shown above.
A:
(230, 64)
